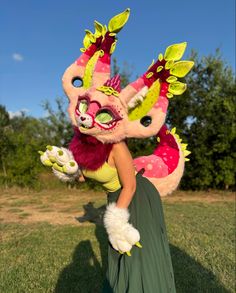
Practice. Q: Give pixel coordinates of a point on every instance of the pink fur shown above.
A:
(89, 153)
(164, 159)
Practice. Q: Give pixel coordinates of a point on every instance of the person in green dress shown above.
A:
(104, 116)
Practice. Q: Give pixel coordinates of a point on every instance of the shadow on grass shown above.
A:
(191, 276)
(85, 274)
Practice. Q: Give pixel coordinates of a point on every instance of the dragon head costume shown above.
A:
(99, 108)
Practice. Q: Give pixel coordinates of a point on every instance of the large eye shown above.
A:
(146, 121)
(83, 106)
(104, 116)
(77, 81)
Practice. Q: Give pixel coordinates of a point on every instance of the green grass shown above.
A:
(38, 257)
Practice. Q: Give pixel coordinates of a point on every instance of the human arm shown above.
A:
(122, 235)
(125, 168)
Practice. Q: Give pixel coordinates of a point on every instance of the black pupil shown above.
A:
(146, 121)
(77, 81)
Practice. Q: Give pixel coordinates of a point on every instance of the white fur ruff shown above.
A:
(122, 235)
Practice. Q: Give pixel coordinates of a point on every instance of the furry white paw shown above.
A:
(122, 235)
(62, 162)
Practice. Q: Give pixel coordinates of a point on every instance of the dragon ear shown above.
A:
(162, 74)
(146, 99)
(101, 72)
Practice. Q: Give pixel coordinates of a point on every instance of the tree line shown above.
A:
(204, 117)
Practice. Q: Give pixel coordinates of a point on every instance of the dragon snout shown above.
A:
(85, 120)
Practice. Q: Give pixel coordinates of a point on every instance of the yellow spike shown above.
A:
(175, 51)
(138, 244)
(121, 252)
(48, 163)
(98, 29)
(181, 68)
(118, 21)
(177, 136)
(186, 153)
(169, 64)
(169, 95)
(90, 36)
(86, 40)
(104, 30)
(153, 61)
(177, 88)
(171, 79)
(57, 167)
(113, 47)
(82, 50)
(187, 159)
(158, 139)
(41, 153)
(184, 146)
(173, 130)
(128, 253)
(160, 57)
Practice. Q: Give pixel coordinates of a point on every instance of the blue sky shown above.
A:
(40, 39)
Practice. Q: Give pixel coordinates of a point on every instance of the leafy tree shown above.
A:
(23, 137)
(4, 142)
(59, 127)
(205, 116)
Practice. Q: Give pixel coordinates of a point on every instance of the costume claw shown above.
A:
(58, 168)
(49, 147)
(48, 163)
(128, 253)
(138, 244)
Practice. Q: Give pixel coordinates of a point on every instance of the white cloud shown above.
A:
(17, 57)
(18, 113)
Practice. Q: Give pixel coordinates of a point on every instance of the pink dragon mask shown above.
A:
(100, 108)
(103, 113)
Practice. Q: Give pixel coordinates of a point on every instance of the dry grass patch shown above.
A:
(52, 206)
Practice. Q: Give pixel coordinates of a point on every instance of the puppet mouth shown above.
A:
(83, 127)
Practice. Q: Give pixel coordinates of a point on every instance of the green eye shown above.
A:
(104, 117)
(83, 107)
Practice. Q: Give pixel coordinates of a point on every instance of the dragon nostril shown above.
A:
(82, 118)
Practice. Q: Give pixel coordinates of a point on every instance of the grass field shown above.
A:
(53, 241)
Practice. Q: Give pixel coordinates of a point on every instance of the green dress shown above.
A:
(149, 269)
